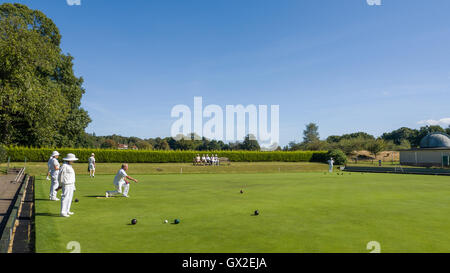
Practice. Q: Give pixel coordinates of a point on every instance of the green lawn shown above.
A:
(300, 212)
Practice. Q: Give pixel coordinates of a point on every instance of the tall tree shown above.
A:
(376, 146)
(39, 93)
(250, 143)
(311, 133)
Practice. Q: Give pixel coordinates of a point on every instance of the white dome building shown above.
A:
(434, 151)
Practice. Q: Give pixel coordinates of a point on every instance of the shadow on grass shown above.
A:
(95, 196)
(46, 214)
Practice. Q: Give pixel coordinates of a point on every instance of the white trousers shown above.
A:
(66, 198)
(331, 168)
(54, 185)
(122, 188)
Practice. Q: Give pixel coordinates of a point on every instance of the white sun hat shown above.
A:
(70, 157)
(92, 154)
(55, 153)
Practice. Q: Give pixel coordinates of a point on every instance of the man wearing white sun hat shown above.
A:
(66, 181)
(53, 170)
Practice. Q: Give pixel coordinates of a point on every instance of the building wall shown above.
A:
(425, 158)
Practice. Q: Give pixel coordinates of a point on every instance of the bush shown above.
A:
(339, 156)
(3, 154)
(19, 154)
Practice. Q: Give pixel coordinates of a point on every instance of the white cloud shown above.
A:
(442, 122)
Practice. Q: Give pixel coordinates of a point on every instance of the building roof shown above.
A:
(435, 140)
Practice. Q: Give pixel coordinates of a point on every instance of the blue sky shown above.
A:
(343, 64)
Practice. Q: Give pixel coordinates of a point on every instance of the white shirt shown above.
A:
(66, 175)
(120, 176)
(331, 162)
(91, 160)
(52, 165)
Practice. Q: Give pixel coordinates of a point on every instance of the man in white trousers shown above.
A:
(121, 182)
(92, 165)
(66, 179)
(53, 169)
(330, 165)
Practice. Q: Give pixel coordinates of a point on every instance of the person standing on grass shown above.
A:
(48, 167)
(66, 179)
(121, 182)
(91, 166)
(53, 170)
(330, 165)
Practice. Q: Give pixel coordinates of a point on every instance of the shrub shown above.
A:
(339, 156)
(19, 154)
(376, 146)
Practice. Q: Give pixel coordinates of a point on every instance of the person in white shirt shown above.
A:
(198, 160)
(48, 168)
(66, 179)
(91, 166)
(330, 165)
(208, 160)
(53, 169)
(216, 160)
(121, 182)
(203, 159)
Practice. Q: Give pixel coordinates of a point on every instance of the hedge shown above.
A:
(19, 154)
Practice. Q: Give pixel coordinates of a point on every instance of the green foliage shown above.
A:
(250, 144)
(143, 145)
(404, 133)
(376, 146)
(413, 136)
(391, 146)
(39, 94)
(3, 154)
(146, 156)
(311, 133)
(350, 145)
(339, 156)
(358, 135)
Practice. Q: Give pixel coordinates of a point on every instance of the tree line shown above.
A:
(402, 138)
(168, 143)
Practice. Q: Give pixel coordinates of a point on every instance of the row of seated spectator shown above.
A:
(207, 160)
